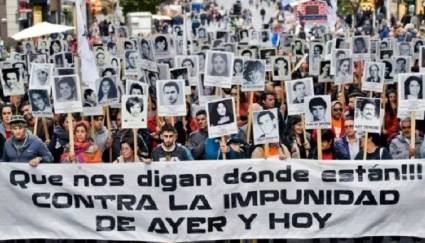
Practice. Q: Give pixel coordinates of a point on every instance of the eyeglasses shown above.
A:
(406, 127)
(337, 109)
(349, 126)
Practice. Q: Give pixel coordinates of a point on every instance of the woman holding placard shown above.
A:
(86, 151)
(126, 152)
(294, 139)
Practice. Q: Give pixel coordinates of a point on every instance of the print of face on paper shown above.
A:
(265, 126)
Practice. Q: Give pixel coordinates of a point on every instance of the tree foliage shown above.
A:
(140, 5)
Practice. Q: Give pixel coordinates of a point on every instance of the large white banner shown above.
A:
(210, 200)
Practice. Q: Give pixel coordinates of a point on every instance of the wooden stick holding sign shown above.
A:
(319, 144)
(223, 141)
(413, 132)
(108, 124)
(35, 126)
(304, 133)
(46, 130)
(248, 132)
(71, 135)
(365, 139)
(136, 147)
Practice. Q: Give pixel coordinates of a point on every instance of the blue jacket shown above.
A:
(32, 148)
(342, 151)
(212, 149)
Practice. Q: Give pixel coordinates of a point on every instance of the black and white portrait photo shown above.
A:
(134, 111)
(180, 73)
(246, 53)
(315, 56)
(221, 117)
(367, 114)
(191, 63)
(267, 55)
(386, 54)
(41, 76)
(388, 71)
(344, 70)
(218, 69)
(122, 31)
(134, 87)
(171, 96)
(411, 91)
(296, 92)
(145, 49)
(281, 68)
(361, 45)
(90, 106)
(244, 35)
(417, 44)
(107, 91)
(401, 64)
(131, 62)
(238, 64)
(40, 103)
(66, 94)
(338, 54)
(254, 75)
(201, 33)
(162, 46)
(373, 76)
(404, 49)
(325, 72)
(43, 45)
(317, 112)
(205, 93)
(12, 82)
(102, 59)
(298, 47)
(89, 98)
(265, 126)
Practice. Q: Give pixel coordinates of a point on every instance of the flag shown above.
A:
(89, 72)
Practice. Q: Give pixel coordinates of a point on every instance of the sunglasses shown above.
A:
(337, 109)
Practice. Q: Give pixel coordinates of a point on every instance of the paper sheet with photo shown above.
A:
(41, 76)
(206, 93)
(344, 71)
(192, 65)
(41, 105)
(373, 77)
(296, 92)
(266, 126)
(325, 72)
(254, 75)
(171, 97)
(218, 69)
(90, 105)
(107, 90)
(134, 87)
(317, 112)
(221, 117)
(12, 82)
(337, 54)
(66, 94)
(238, 64)
(134, 111)
(411, 92)
(281, 68)
(315, 56)
(368, 114)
